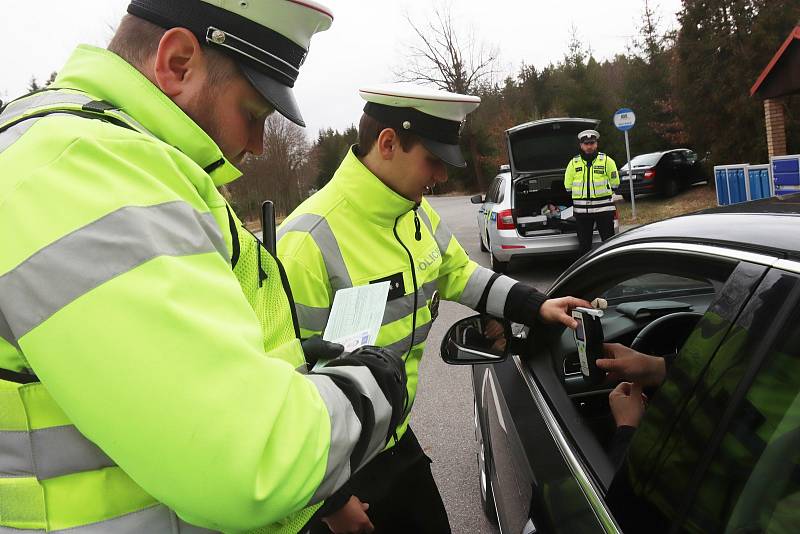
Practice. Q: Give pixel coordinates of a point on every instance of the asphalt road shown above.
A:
(443, 412)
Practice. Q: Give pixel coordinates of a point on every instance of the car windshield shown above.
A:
(644, 160)
(655, 284)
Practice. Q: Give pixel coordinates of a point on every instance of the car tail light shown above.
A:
(511, 247)
(505, 220)
(649, 174)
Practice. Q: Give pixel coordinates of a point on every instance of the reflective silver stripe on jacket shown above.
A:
(90, 256)
(346, 429)
(475, 287)
(320, 231)
(157, 519)
(498, 294)
(12, 135)
(45, 99)
(442, 235)
(420, 335)
(402, 307)
(311, 317)
(49, 453)
(594, 210)
(594, 205)
(53, 101)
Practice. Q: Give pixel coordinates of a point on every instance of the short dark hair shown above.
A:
(370, 128)
(136, 41)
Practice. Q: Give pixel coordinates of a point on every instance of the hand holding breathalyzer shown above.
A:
(589, 339)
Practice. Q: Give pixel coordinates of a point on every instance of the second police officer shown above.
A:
(369, 224)
(592, 176)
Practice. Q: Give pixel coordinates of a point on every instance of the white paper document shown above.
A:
(356, 315)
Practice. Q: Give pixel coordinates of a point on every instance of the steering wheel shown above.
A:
(667, 334)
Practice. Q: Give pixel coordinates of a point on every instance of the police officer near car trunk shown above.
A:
(592, 176)
(148, 350)
(370, 223)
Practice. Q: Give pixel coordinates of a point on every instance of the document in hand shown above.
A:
(356, 315)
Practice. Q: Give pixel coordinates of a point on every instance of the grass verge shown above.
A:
(653, 208)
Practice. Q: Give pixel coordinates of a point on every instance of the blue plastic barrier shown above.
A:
(731, 181)
(786, 173)
(759, 182)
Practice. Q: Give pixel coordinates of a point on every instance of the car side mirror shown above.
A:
(477, 199)
(476, 339)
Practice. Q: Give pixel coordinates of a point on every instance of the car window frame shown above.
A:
(766, 341)
(640, 512)
(585, 443)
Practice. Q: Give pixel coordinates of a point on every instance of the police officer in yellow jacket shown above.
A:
(147, 341)
(369, 224)
(592, 177)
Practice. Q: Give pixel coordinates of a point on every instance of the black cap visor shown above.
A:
(276, 93)
(450, 154)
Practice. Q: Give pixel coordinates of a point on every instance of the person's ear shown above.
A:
(180, 67)
(387, 143)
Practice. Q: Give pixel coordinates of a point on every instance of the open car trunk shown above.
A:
(542, 208)
(538, 154)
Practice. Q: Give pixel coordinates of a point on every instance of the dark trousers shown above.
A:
(402, 495)
(586, 223)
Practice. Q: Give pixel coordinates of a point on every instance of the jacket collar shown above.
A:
(108, 77)
(374, 200)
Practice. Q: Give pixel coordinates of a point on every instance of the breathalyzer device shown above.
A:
(589, 339)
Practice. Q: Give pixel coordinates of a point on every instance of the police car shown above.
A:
(526, 210)
(718, 294)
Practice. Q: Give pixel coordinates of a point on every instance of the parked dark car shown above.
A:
(718, 449)
(664, 173)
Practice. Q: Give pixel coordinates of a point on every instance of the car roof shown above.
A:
(768, 226)
(662, 152)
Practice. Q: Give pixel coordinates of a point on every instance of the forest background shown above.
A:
(689, 87)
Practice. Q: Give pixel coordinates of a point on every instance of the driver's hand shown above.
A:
(350, 519)
(623, 363)
(493, 329)
(558, 310)
(627, 404)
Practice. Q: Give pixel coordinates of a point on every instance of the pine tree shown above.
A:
(722, 46)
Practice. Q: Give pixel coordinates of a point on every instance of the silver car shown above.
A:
(526, 210)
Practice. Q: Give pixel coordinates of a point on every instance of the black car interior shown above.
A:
(654, 304)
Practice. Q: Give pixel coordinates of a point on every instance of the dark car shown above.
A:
(718, 449)
(664, 173)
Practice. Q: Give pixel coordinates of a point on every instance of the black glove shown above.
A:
(315, 348)
(389, 371)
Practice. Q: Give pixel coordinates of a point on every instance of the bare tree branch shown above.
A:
(446, 58)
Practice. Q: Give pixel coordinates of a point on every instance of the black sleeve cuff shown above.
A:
(619, 444)
(523, 303)
(335, 502)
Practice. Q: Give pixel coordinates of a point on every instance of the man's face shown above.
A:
(416, 171)
(589, 147)
(233, 116)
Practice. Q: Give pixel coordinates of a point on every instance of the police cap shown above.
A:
(435, 116)
(269, 39)
(588, 135)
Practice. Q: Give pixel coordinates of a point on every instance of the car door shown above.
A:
(485, 210)
(549, 469)
(717, 450)
(679, 167)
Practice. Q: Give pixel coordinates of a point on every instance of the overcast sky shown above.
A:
(364, 46)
